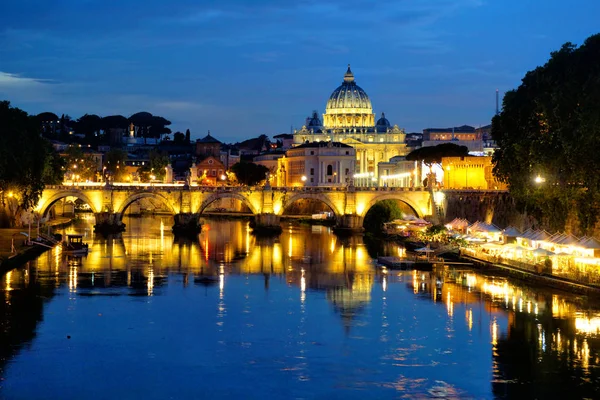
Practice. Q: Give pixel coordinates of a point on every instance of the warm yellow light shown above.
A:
(360, 207)
(303, 178)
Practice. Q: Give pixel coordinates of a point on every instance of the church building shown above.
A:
(349, 119)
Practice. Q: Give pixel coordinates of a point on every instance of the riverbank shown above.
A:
(23, 253)
(528, 276)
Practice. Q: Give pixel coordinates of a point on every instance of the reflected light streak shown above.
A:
(8, 278)
(73, 279)
(150, 281)
(470, 318)
(416, 283)
(494, 332)
(384, 283)
(587, 325)
(449, 305)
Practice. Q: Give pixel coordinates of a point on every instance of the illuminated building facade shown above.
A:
(317, 164)
(349, 119)
(469, 173)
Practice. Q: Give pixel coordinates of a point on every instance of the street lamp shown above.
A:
(539, 179)
(303, 179)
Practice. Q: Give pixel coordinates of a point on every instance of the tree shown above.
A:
(79, 166)
(115, 164)
(382, 212)
(178, 137)
(249, 174)
(549, 128)
(154, 167)
(141, 122)
(158, 127)
(90, 126)
(430, 155)
(23, 157)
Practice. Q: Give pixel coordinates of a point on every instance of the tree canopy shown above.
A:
(249, 173)
(25, 157)
(549, 128)
(434, 154)
(154, 167)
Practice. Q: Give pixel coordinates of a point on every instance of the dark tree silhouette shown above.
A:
(549, 126)
(249, 173)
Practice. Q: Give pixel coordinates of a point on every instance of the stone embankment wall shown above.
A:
(497, 208)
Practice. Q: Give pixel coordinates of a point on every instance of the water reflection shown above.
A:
(321, 303)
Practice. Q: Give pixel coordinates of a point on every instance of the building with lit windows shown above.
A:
(462, 136)
(349, 119)
(317, 164)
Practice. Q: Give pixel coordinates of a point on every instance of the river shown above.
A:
(306, 315)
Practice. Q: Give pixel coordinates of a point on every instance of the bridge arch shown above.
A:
(392, 196)
(322, 198)
(143, 195)
(217, 196)
(46, 204)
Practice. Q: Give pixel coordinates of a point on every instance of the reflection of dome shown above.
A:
(348, 106)
(383, 124)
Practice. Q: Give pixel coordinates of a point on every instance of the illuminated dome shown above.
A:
(348, 106)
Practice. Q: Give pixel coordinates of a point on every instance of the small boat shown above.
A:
(74, 245)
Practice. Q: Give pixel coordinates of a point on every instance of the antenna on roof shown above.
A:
(496, 101)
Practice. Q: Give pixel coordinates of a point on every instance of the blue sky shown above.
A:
(241, 68)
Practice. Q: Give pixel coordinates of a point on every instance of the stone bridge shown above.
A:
(187, 203)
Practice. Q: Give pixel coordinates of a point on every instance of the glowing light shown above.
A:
(470, 318)
(8, 277)
(384, 283)
(150, 281)
(494, 333)
(73, 278)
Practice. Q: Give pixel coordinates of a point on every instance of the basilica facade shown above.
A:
(349, 119)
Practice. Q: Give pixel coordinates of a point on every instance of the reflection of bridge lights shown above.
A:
(73, 278)
(303, 282)
(384, 283)
(494, 332)
(150, 281)
(469, 317)
(8, 278)
(587, 325)
(449, 305)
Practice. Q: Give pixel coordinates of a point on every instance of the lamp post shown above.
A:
(303, 179)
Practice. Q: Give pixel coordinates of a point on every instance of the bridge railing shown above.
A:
(238, 188)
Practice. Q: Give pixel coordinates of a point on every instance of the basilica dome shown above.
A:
(348, 106)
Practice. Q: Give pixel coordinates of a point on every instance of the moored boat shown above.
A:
(74, 245)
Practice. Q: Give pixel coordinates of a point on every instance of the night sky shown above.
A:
(241, 68)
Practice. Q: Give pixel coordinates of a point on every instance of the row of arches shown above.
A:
(289, 207)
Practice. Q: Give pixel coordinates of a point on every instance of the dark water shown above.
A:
(306, 315)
